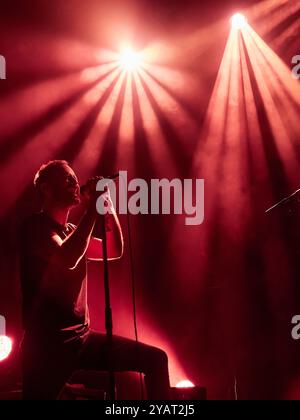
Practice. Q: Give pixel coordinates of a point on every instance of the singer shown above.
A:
(57, 338)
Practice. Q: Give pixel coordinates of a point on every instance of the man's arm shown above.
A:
(81, 242)
(114, 238)
(71, 250)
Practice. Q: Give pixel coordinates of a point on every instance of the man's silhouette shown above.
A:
(58, 339)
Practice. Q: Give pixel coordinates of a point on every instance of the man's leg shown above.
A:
(46, 370)
(127, 355)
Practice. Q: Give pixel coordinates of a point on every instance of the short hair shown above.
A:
(45, 172)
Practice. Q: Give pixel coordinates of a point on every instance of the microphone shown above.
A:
(84, 187)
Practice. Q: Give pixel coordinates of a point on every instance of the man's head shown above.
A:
(57, 184)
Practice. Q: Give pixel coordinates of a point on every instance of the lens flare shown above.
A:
(130, 60)
(5, 347)
(238, 21)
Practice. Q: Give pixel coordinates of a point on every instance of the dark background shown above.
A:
(218, 297)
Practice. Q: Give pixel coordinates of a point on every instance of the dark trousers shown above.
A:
(46, 368)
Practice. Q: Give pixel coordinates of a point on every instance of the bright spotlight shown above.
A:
(185, 384)
(238, 21)
(130, 60)
(5, 347)
(186, 390)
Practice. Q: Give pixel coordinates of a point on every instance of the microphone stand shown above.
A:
(108, 315)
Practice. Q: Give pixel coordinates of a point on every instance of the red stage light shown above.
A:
(186, 390)
(238, 21)
(185, 384)
(5, 347)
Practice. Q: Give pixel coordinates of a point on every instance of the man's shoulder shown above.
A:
(37, 236)
(34, 219)
(35, 223)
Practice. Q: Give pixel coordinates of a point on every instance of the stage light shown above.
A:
(130, 60)
(185, 384)
(238, 21)
(186, 390)
(5, 347)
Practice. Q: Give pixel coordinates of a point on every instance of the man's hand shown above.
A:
(88, 191)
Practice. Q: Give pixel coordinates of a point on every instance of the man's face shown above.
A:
(64, 187)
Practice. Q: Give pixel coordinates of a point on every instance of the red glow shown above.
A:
(185, 384)
(5, 347)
